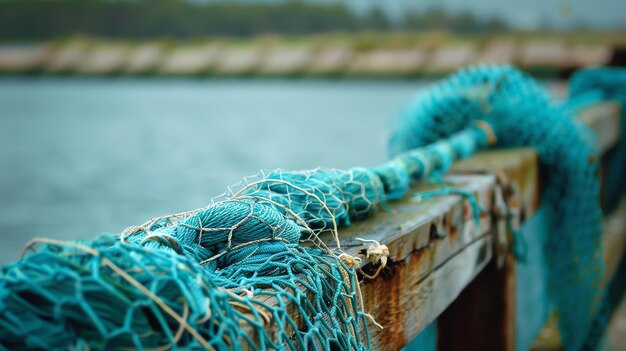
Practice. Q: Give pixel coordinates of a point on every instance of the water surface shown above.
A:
(79, 157)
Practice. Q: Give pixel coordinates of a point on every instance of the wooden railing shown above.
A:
(458, 276)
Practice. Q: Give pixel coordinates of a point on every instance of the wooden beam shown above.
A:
(432, 260)
(484, 314)
(437, 248)
(406, 303)
(483, 317)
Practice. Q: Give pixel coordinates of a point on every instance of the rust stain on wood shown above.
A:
(387, 297)
(436, 249)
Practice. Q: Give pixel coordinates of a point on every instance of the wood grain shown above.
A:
(437, 248)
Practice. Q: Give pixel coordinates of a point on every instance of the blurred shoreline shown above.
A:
(361, 55)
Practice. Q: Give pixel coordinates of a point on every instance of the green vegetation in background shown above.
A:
(142, 19)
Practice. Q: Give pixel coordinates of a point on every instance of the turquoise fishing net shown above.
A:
(111, 295)
(605, 83)
(521, 113)
(247, 271)
(261, 267)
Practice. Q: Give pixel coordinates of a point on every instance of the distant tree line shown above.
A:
(462, 22)
(140, 19)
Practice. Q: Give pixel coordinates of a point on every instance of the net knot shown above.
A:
(349, 260)
(375, 253)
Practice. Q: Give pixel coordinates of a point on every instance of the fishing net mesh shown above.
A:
(588, 86)
(521, 113)
(111, 295)
(247, 271)
(256, 269)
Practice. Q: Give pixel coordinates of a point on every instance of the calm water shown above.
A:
(80, 157)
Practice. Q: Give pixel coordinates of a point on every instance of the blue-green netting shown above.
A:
(606, 84)
(250, 269)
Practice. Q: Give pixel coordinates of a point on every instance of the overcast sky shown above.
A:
(526, 14)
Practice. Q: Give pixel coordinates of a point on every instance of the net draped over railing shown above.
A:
(250, 270)
(605, 84)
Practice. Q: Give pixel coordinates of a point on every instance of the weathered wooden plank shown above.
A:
(407, 304)
(414, 223)
(490, 299)
(423, 238)
(483, 316)
(517, 168)
(437, 249)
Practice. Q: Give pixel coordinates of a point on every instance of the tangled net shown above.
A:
(252, 270)
(521, 114)
(235, 274)
(605, 84)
